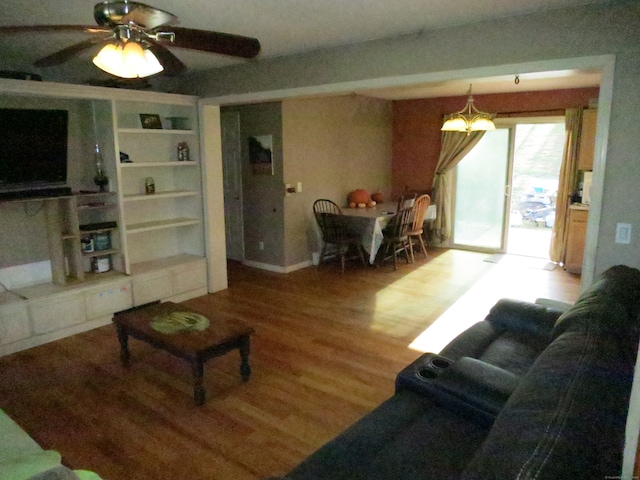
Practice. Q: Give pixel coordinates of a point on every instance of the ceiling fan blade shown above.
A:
(171, 64)
(114, 13)
(66, 54)
(213, 42)
(53, 28)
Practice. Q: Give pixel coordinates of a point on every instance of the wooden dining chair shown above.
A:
(335, 232)
(417, 225)
(406, 201)
(395, 235)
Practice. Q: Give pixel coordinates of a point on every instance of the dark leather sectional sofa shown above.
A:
(530, 392)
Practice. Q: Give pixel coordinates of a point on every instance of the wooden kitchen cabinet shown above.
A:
(576, 237)
(587, 139)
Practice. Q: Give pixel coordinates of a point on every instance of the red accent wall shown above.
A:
(416, 127)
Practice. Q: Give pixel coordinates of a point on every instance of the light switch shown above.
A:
(299, 187)
(623, 233)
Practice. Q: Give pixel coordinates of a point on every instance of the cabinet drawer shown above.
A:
(52, 314)
(189, 277)
(14, 323)
(151, 287)
(108, 299)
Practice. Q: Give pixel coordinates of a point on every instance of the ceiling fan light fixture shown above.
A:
(127, 61)
(469, 119)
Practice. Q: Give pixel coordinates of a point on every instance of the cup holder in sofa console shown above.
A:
(426, 368)
(433, 367)
(467, 386)
(439, 362)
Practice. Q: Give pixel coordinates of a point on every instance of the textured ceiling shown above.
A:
(283, 27)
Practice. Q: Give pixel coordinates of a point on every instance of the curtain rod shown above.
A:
(528, 112)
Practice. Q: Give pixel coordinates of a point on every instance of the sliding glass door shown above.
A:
(505, 188)
(481, 186)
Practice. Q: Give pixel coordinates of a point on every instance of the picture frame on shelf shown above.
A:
(151, 121)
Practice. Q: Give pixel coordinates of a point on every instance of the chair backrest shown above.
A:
(406, 201)
(329, 218)
(419, 211)
(400, 224)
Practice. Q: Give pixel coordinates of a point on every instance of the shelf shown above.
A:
(167, 262)
(157, 195)
(172, 163)
(97, 230)
(100, 253)
(161, 224)
(87, 207)
(156, 131)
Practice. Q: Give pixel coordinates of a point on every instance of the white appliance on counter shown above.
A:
(586, 188)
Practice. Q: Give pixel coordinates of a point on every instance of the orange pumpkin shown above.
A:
(359, 196)
(377, 197)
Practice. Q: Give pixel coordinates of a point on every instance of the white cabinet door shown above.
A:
(108, 299)
(150, 287)
(189, 277)
(14, 323)
(57, 312)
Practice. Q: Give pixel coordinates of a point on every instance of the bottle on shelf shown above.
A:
(100, 178)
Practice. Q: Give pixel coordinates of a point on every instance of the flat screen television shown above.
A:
(33, 149)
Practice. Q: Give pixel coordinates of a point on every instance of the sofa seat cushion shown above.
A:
(407, 437)
(511, 337)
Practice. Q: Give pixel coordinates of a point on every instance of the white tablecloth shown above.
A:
(368, 223)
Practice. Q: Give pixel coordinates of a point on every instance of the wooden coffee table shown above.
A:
(220, 337)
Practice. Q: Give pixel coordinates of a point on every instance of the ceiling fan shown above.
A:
(134, 38)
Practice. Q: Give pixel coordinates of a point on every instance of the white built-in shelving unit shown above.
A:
(157, 241)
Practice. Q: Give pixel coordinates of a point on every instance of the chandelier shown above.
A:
(469, 119)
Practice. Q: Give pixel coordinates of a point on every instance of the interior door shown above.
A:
(232, 165)
(482, 192)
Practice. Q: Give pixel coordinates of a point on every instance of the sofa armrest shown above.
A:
(468, 386)
(524, 317)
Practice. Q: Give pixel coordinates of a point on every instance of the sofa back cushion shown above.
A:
(617, 289)
(566, 418)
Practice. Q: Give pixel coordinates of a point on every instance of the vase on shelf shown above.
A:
(100, 178)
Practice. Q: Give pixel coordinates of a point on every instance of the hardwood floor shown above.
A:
(326, 351)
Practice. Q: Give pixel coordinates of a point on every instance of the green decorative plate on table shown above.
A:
(178, 322)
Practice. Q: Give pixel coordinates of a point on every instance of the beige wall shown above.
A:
(563, 38)
(332, 145)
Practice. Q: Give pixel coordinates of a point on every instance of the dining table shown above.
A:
(369, 222)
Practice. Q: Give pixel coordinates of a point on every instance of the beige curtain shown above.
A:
(566, 184)
(455, 145)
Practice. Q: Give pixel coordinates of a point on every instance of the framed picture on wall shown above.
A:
(150, 120)
(260, 154)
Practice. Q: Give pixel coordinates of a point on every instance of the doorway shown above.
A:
(506, 188)
(232, 178)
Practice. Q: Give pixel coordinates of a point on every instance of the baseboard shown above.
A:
(277, 268)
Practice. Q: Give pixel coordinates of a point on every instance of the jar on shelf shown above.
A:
(183, 152)
(149, 185)
(87, 244)
(101, 264)
(102, 241)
